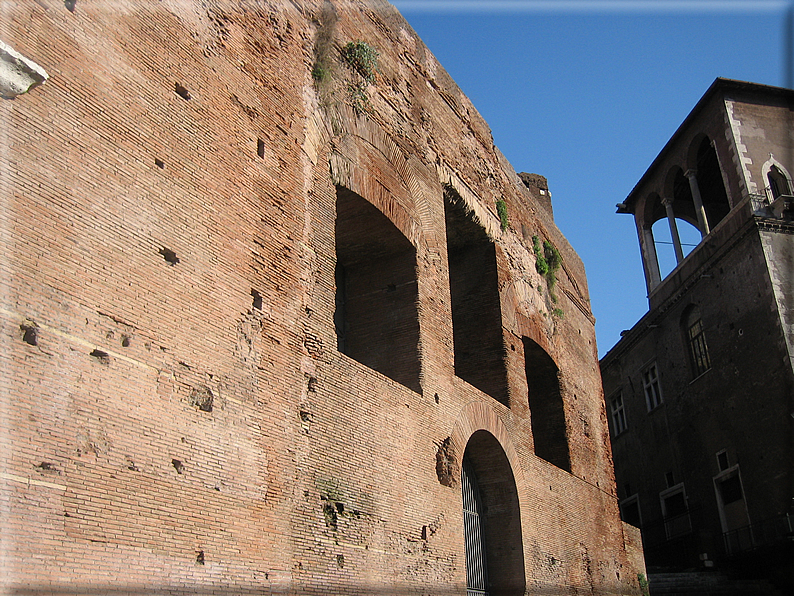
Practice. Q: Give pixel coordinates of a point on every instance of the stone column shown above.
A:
(651, 261)
(699, 210)
(668, 207)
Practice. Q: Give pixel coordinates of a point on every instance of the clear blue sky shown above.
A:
(587, 92)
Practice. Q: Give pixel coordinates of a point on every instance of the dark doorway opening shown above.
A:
(492, 520)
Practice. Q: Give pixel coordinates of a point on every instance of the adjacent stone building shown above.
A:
(700, 391)
(279, 318)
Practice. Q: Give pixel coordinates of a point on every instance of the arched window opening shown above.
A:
(654, 210)
(696, 341)
(687, 203)
(710, 182)
(492, 520)
(778, 183)
(376, 316)
(683, 204)
(546, 406)
(476, 307)
(688, 234)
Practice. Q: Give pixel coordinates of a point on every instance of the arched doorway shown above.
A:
(492, 520)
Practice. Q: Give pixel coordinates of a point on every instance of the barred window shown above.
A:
(698, 349)
(692, 328)
(650, 381)
(618, 414)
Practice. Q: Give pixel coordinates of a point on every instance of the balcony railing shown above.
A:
(765, 203)
(759, 534)
(664, 529)
(672, 541)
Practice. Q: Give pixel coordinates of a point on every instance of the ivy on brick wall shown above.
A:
(323, 44)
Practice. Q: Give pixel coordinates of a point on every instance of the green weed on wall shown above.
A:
(501, 209)
(547, 262)
(362, 58)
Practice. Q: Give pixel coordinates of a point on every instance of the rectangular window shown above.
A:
(730, 489)
(676, 512)
(618, 414)
(697, 346)
(630, 511)
(722, 460)
(650, 381)
(738, 533)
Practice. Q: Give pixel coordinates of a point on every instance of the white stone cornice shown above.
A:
(18, 74)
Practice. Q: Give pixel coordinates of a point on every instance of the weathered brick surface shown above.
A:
(177, 415)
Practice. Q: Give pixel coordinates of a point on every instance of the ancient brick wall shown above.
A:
(178, 411)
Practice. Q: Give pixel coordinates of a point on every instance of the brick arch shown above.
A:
(477, 415)
(364, 159)
(492, 511)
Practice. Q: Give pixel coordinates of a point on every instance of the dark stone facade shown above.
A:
(700, 392)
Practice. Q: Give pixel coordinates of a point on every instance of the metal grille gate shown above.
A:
(476, 571)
